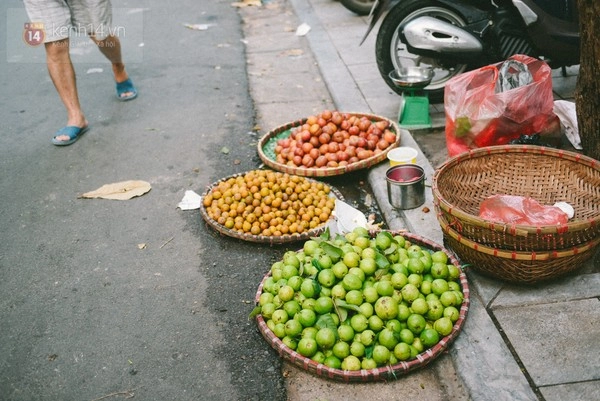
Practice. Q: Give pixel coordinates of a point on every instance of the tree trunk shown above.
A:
(587, 96)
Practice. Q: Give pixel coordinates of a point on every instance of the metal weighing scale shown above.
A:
(414, 107)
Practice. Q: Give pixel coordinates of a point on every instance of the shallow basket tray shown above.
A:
(264, 239)
(517, 266)
(385, 373)
(547, 175)
(267, 143)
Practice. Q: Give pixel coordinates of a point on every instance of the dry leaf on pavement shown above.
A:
(120, 190)
(292, 52)
(246, 3)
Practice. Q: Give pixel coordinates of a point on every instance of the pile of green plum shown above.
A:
(361, 300)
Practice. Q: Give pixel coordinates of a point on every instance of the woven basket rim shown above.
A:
(515, 255)
(325, 171)
(381, 373)
(517, 271)
(515, 229)
(264, 239)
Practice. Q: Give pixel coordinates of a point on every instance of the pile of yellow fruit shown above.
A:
(270, 203)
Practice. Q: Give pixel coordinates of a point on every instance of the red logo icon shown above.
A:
(34, 33)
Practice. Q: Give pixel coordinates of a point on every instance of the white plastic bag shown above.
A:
(567, 114)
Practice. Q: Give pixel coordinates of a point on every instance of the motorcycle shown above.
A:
(360, 7)
(452, 37)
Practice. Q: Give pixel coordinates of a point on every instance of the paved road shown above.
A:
(85, 313)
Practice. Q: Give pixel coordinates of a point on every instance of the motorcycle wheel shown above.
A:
(391, 53)
(360, 7)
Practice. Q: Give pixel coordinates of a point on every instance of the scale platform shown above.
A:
(414, 109)
(414, 112)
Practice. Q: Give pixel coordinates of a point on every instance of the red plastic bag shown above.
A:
(521, 210)
(478, 115)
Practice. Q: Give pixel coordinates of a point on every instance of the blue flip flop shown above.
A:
(124, 87)
(73, 132)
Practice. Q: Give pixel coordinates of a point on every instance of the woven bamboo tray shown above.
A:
(517, 266)
(547, 175)
(267, 143)
(272, 239)
(390, 372)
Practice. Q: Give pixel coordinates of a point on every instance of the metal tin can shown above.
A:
(405, 186)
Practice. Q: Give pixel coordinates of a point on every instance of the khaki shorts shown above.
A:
(62, 18)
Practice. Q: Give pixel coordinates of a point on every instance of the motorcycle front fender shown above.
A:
(471, 10)
(429, 34)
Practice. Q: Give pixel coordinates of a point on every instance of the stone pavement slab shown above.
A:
(584, 286)
(573, 392)
(484, 362)
(557, 342)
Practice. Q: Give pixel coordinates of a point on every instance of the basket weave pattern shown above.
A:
(547, 175)
(517, 266)
(519, 253)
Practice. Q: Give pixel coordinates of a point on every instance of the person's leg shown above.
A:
(56, 18)
(95, 18)
(111, 48)
(62, 74)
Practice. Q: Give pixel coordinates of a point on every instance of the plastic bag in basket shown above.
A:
(520, 210)
(498, 103)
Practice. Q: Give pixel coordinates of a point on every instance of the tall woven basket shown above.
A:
(547, 175)
(511, 252)
(521, 267)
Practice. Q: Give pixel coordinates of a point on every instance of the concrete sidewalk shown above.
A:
(518, 343)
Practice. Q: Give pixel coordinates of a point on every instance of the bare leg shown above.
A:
(111, 48)
(62, 74)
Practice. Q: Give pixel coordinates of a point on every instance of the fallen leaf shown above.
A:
(119, 190)
(246, 3)
(293, 52)
(225, 150)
